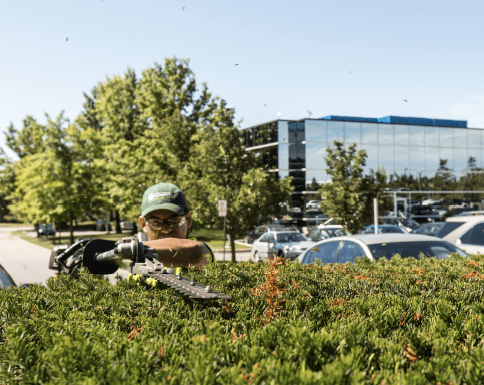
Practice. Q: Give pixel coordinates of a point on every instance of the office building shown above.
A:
(399, 144)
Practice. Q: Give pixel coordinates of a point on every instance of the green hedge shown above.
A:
(395, 322)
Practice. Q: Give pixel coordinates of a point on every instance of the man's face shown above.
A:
(166, 231)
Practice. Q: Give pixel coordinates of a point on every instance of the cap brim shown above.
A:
(164, 206)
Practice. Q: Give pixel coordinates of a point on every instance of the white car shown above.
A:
(314, 204)
(287, 244)
(376, 246)
(466, 232)
(326, 231)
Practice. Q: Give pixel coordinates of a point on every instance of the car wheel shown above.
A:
(256, 257)
(280, 254)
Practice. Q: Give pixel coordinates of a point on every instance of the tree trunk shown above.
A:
(134, 231)
(71, 228)
(118, 224)
(232, 245)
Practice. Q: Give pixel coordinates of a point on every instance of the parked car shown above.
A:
(100, 225)
(407, 223)
(46, 229)
(126, 225)
(260, 230)
(324, 232)
(313, 204)
(466, 232)
(467, 213)
(431, 228)
(384, 229)
(5, 279)
(423, 214)
(376, 246)
(314, 217)
(460, 210)
(292, 219)
(287, 244)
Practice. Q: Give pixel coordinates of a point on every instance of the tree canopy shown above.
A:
(132, 133)
(349, 197)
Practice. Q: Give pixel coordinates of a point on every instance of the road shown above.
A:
(24, 261)
(240, 255)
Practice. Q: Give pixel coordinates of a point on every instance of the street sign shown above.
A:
(222, 208)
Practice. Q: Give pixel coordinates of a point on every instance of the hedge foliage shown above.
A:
(391, 322)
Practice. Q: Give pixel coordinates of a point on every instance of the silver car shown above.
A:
(373, 247)
(287, 244)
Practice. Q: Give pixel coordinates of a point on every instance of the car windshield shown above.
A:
(336, 232)
(428, 249)
(290, 237)
(448, 228)
(277, 227)
(411, 223)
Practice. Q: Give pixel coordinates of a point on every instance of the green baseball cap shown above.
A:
(164, 196)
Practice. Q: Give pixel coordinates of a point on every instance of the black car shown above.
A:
(257, 233)
(46, 229)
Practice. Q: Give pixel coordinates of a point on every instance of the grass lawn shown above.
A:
(214, 238)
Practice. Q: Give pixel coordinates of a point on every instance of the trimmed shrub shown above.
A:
(400, 321)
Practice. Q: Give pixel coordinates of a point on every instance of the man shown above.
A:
(165, 217)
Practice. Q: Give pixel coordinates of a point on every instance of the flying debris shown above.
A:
(279, 114)
(67, 38)
(405, 100)
(309, 114)
(183, 8)
(350, 72)
(264, 104)
(235, 64)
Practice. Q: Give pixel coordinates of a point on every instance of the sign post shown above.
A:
(375, 214)
(222, 212)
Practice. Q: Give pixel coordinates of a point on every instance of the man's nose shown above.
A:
(165, 228)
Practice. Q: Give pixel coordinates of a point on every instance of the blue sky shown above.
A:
(334, 57)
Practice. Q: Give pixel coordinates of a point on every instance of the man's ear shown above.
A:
(143, 224)
(189, 220)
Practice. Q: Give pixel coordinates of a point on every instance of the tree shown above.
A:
(148, 128)
(54, 184)
(114, 121)
(473, 178)
(221, 169)
(7, 183)
(30, 139)
(349, 197)
(444, 178)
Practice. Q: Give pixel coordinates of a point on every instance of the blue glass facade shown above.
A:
(299, 147)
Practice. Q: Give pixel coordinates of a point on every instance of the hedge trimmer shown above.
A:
(102, 257)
